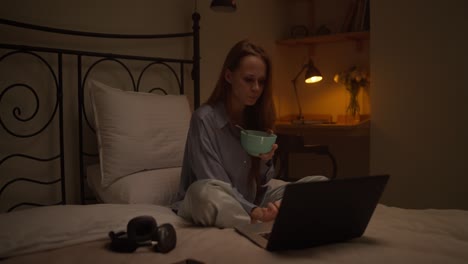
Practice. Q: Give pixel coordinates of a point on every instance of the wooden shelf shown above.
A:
(348, 36)
(288, 128)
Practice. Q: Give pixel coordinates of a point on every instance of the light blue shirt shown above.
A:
(213, 151)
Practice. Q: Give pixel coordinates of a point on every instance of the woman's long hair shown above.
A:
(261, 115)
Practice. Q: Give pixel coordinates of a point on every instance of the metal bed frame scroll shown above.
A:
(56, 70)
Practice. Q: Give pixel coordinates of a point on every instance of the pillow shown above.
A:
(138, 131)
(157, 186)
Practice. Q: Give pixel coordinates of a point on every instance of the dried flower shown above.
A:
(353, 79)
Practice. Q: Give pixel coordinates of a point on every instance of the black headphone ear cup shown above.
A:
(121, 243)
(141, 228)
(166, 237)
(113, 235)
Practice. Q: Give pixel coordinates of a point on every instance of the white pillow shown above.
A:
(158, 186)
(138, 131)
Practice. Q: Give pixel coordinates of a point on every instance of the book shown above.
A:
(366, 23)
(358, 15)
(350, 14)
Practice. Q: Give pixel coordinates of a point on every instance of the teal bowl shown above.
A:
(257, 142)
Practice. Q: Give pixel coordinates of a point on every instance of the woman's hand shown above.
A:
(265, 214)
(268, 156)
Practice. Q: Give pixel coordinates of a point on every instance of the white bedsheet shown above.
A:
(393, 236)
(50, 227)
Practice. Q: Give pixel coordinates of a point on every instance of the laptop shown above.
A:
(318, 213)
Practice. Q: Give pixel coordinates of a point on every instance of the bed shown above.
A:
(128, 153)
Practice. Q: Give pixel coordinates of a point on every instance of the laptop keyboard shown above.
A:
(265, 235)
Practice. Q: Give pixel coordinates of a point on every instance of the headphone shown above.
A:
(143, 231)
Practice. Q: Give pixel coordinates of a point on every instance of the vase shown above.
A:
(353, 108)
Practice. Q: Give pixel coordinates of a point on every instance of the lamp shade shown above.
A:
(224, 5)
(312, 74)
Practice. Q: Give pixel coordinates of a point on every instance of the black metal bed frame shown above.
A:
(58, 79)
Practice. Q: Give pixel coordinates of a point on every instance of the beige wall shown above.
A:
(262, 21)
(418, 125)
(121, 16)
(266, 21)
(418, 97)
(325, 97)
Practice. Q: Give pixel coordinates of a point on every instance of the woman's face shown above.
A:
(247, 81)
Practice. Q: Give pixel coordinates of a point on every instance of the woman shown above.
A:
(221, 185)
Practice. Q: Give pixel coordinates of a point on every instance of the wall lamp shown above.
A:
(224, 5)
(312, 75)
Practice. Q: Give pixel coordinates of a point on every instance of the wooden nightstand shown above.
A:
(349, 144)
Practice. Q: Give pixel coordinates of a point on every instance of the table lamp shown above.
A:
(312, 75)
